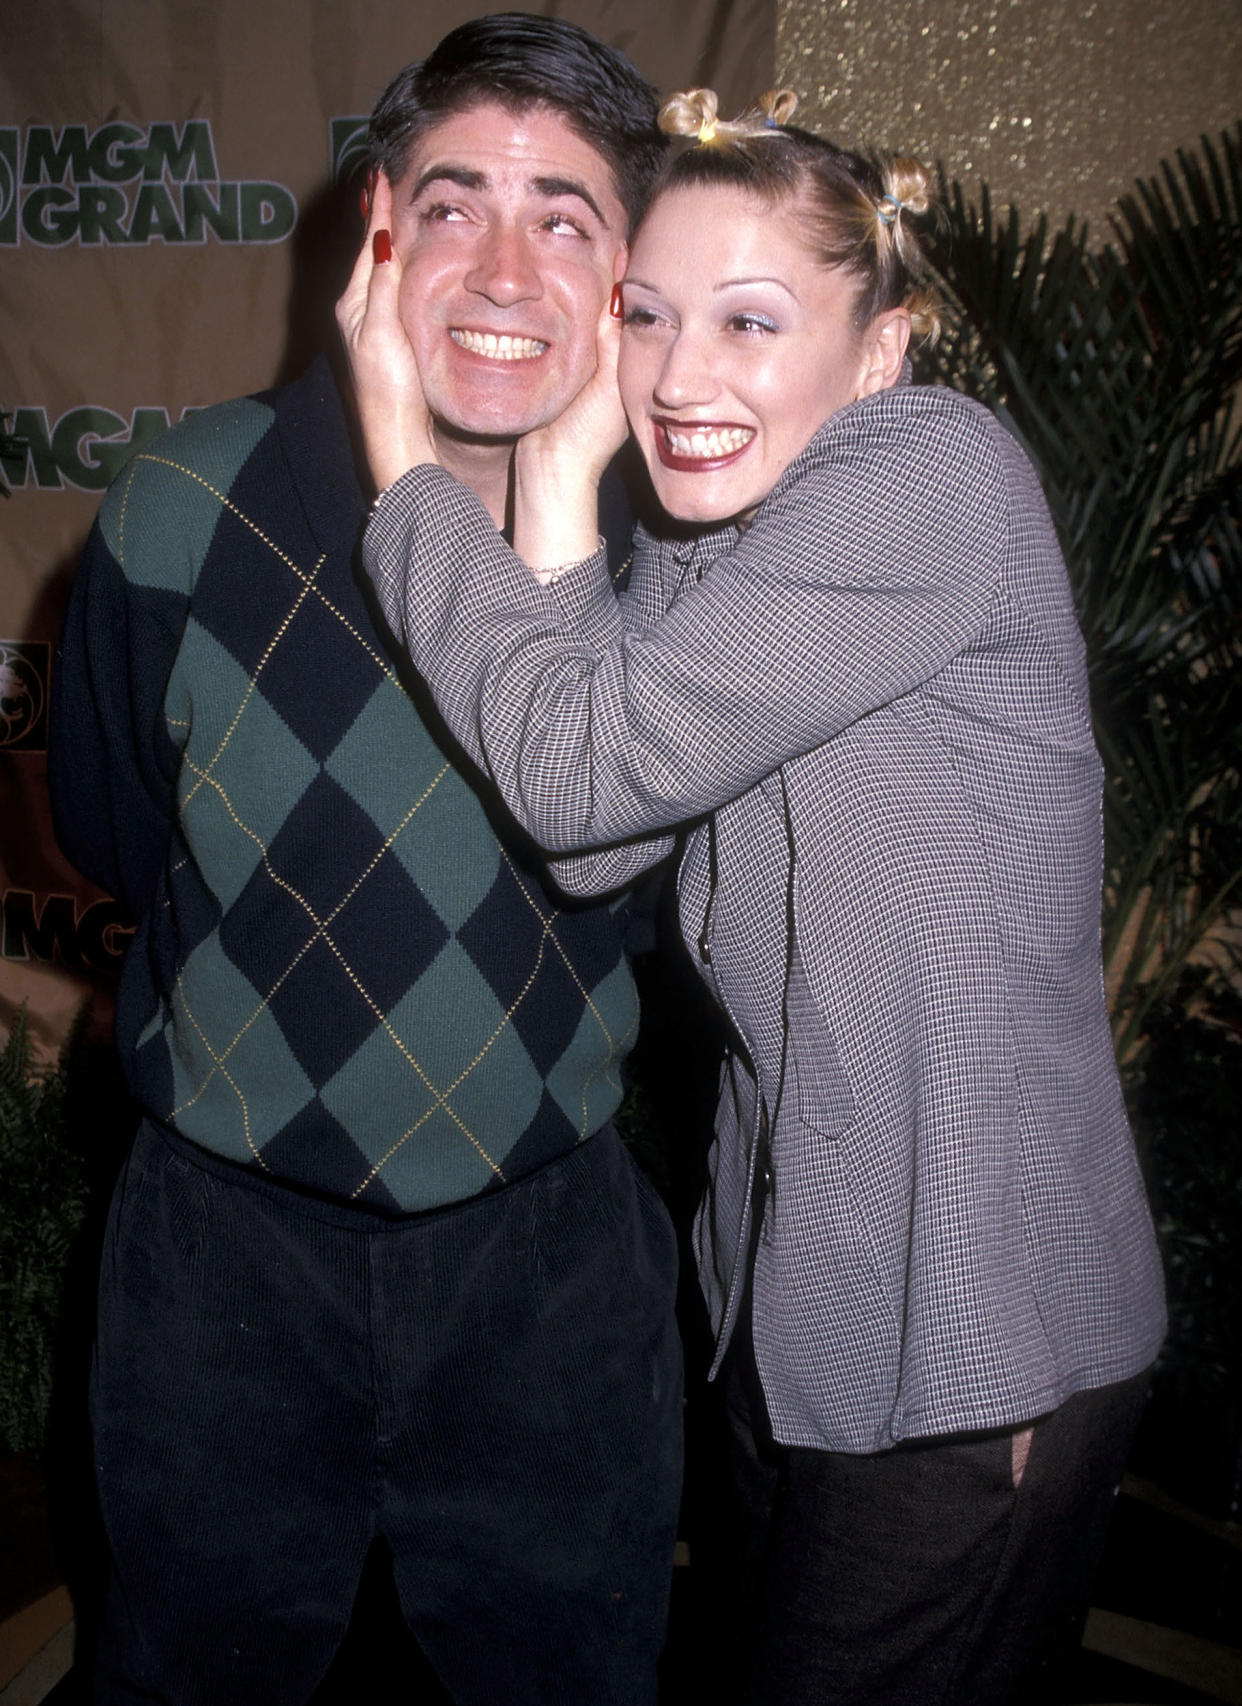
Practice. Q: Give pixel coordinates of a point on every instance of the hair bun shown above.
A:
(778, 106)
(689, 113)
(910, 184)
(695, 113)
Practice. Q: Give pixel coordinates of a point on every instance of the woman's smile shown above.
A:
(696, 447)
(738, 343)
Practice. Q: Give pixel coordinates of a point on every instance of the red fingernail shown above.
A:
(614, 303)
(381, 247)
(364, 200)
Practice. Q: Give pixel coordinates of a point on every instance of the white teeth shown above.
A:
(718, 441)
(499, 347)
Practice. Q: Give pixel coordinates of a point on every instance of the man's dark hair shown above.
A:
(520, 61)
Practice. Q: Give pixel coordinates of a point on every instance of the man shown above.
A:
(377, 1267)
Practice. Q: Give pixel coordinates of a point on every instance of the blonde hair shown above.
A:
(859, 213)
(695, 113)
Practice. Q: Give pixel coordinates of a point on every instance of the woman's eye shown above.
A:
(751, 323)
(640, 317)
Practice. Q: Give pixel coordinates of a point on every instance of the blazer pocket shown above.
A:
(825, 1100)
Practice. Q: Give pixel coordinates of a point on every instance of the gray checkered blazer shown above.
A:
(872, 708)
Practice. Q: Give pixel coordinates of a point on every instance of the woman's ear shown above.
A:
(884, 349)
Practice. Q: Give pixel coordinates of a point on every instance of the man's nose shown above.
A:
(505, 267)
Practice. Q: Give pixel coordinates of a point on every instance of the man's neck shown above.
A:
(484, 466)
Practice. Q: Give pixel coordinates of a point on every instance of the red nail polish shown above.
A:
(614, 303)
(381, 247)
(364, 201)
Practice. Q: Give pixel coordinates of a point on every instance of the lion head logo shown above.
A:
(21, 696)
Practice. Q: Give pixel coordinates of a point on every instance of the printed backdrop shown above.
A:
(173, 231)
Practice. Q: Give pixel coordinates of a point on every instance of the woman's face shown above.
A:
(736, 348)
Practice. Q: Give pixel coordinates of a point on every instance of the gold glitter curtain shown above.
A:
(1058, 104)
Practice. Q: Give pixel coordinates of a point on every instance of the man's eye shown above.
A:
(440, 212)
(561, 225)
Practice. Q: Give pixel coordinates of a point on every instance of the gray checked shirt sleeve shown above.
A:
(595, 732)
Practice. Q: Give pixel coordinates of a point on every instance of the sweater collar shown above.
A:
(311, 421)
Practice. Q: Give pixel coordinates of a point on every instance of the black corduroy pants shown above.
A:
(494, 1388)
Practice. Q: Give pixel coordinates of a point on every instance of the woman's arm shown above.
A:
(589, 609)
(874, 561)
(603, 870)
(556, 477)
(392, 410)
(557, 469)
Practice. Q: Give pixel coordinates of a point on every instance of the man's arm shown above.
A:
(110, 761)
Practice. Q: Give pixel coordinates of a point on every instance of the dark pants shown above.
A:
(922, 1576)
(494, 1389)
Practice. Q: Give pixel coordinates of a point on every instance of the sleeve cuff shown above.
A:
(582, 592)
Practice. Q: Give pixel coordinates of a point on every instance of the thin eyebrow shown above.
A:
(729, 283)
(726, 284)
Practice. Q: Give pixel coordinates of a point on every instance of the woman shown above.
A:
(850, 664)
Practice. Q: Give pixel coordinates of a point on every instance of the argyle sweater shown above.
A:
(343, 976)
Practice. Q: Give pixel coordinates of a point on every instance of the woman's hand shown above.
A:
(396, 426)
(557, 469)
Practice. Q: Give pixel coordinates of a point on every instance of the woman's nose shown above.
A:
(686, 376)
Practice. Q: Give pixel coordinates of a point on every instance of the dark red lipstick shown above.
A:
(695, 464)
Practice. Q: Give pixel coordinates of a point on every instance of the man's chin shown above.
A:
(482, 434)
(497, 414)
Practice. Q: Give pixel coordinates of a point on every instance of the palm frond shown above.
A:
(1118, 370)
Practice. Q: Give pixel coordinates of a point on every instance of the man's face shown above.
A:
(510, 235)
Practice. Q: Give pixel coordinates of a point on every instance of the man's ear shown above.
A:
(884, 349)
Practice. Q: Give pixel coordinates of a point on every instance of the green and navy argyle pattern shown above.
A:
(351, 983)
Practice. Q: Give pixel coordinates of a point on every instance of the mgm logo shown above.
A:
(86, 447)
(24, 671)
(122, 184)
(347, 146)
(53, 927)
